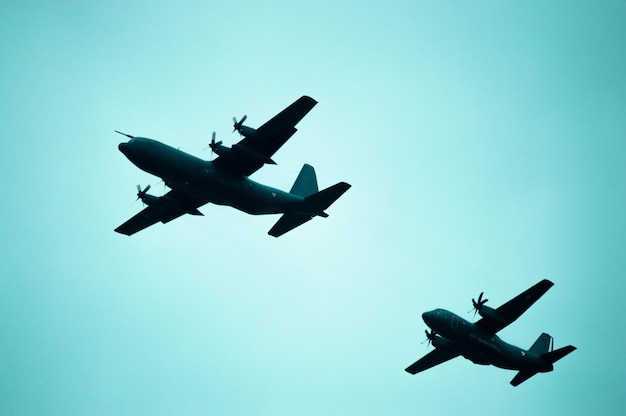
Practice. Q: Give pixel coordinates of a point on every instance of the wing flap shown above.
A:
(433, 358)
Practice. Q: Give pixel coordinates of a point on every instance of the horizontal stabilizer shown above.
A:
(287, 223)
(521, 377)
(318, 202)
(313, 205)
(556, 355)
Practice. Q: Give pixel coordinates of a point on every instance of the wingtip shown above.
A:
(308, 98)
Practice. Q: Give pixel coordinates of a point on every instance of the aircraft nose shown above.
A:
(428, 317)
(123, 147)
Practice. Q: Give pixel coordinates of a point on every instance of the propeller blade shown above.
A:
(429, 337)
(213, 145)
(237, 124)
(476, 304)
(141, 194)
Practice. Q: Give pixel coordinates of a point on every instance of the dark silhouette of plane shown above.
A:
(224, 181)
(452, 336)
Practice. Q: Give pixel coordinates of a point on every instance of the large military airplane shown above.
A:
(224, 181)
(452, 336)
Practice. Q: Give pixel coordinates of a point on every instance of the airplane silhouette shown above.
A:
(224, 181)
(452, 336)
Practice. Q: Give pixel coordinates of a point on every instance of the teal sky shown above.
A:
(486, 146)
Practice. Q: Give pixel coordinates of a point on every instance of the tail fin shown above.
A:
(556, 355)
(306, 182)
(542, 345)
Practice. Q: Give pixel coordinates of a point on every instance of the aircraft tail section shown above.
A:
(306, 182)
(556, 355)
(314, 204)
(542, 348)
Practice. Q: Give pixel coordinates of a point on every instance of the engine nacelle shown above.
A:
(150, 200)
(247, 153)
(490, 313)
(221, 150)
(441, 342)
(247, 131)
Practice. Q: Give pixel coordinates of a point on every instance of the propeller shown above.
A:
(429, 337)
(142, 194)
(213, 145)
(477, 304)
(237, 124)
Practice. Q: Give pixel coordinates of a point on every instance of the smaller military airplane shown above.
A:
(452, 336)
(224, 181)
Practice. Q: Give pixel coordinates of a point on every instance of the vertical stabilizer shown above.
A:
(306, 182)
(542, 345)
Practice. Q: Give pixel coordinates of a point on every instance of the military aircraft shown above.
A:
(452, 336)
(224, 181)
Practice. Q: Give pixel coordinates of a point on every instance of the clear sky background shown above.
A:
(485, 142)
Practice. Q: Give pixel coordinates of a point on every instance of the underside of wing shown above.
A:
(252, 152)
(513, 309)
(433, 358)
(165, 209)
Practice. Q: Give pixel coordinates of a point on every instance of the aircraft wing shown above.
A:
(514, 308)
(168, 207)
(433, 358)
(262, 145)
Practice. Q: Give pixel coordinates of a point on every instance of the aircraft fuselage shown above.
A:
(478, 345)
(203, 180)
